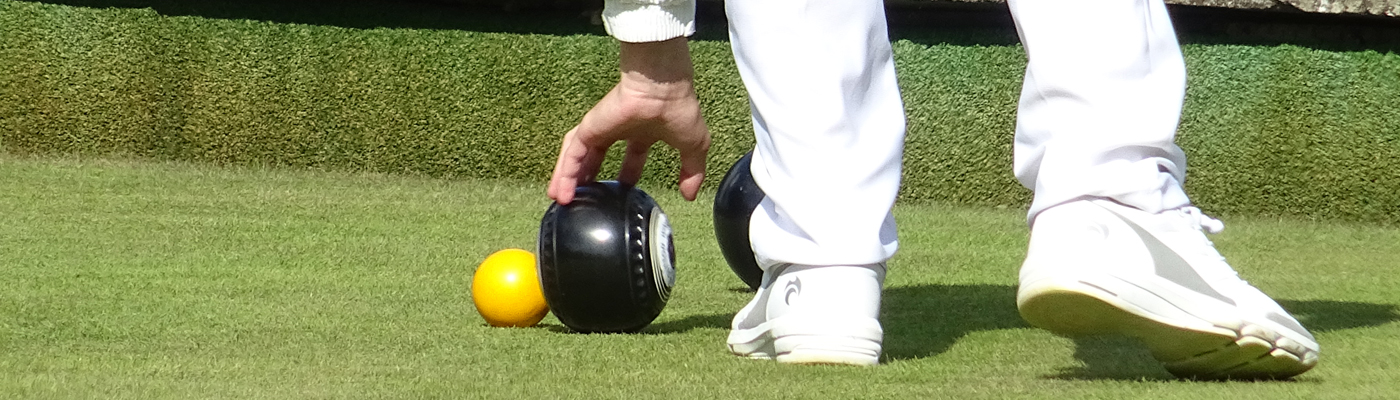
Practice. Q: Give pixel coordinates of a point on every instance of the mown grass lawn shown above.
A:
(133, 279)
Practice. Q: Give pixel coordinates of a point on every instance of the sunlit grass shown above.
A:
(129, 279)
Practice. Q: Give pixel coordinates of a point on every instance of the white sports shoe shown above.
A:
(1096, 267)
(813, 315)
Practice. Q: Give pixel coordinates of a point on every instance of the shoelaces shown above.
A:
(1198, 218)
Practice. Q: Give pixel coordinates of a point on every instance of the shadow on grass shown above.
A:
(1115, 358)
(703, 321)
(925, 320)
(1322, 316)
(1122, 358)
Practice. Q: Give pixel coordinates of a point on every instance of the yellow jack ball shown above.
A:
(506, 289)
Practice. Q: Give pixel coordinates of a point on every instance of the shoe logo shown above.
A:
(793, 289)
(1171, 266)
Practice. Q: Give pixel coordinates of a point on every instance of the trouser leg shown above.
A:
(829, 124)
(1100, 103)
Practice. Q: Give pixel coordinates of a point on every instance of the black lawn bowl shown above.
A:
(738, 196)
(606, 261)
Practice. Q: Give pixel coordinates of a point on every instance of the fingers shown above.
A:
(633, 162)
(577, 164)
(641, 118)
(693, 170)
(560, 183)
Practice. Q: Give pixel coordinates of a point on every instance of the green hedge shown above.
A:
(1277, 130)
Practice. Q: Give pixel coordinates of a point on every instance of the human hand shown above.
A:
(653, 102)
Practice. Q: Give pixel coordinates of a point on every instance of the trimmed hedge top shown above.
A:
(1271, 129)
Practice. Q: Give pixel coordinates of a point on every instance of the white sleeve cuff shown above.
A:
(649, 20)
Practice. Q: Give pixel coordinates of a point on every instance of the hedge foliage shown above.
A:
(1271, 129)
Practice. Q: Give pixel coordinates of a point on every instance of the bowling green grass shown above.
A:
(131, 279)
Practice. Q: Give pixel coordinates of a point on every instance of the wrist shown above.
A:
(657, 69)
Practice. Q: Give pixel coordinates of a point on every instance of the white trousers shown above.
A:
(1097, 117)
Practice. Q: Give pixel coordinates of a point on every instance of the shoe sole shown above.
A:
(1186, 341)
(797, 340)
